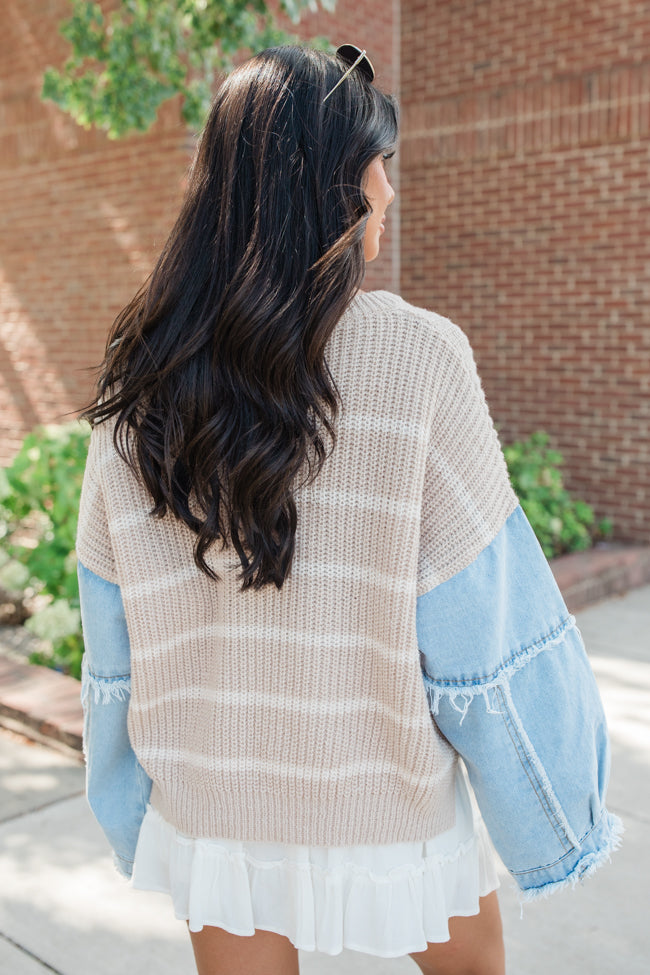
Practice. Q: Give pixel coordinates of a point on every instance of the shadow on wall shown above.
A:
(83, 220)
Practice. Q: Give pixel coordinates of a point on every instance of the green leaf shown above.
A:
(560, 523)
(125, 65)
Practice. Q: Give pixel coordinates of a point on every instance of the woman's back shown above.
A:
(299, 715)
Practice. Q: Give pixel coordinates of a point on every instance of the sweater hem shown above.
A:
(272, 817)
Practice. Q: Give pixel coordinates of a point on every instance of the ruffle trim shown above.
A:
(384, 901)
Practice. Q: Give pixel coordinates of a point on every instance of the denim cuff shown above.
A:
(123, 866)
(574, 867)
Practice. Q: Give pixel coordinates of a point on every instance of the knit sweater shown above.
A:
(299, 715)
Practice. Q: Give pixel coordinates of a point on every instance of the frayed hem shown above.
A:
(123, 867)
(467, 693)
(104, 689)
(584, 868)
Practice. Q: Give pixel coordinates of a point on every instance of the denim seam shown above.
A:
(554, 863)
(85, 690)
(468, 691)
(108, 677)
(105, 690)
(515, 662)
(519, 749)
(123, 865)
(584, 868)
(533, 767)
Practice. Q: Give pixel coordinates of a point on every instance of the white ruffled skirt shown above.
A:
(387, 900)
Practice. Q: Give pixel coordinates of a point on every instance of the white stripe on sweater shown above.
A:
(283, 702)
(366, 768)
(261, 632)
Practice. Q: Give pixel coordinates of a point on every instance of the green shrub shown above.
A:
(39, 503)
(560, 523)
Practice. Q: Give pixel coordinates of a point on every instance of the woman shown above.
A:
(298, 543)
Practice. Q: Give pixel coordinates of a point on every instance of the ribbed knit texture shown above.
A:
(300, 715)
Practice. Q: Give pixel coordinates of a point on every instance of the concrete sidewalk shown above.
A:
(64, 909)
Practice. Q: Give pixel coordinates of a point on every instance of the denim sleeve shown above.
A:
(117, 787)
(510, 686)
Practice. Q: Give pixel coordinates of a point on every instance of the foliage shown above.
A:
(39, 503)
(560, 523)
(125, 64)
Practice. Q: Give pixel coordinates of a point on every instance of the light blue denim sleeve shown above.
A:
(117, 787)
(510, 686)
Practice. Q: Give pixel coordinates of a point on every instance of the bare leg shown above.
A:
(475, 946)
(217, 952)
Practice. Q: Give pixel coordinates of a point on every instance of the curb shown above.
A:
(42, 704)
(610, 569)
(45, 705)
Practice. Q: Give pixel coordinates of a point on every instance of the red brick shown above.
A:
(535, 237)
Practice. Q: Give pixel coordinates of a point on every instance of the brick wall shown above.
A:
(524, 198)
(525, 185)
(82, 218)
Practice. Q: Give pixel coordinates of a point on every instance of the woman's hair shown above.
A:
(215, 371)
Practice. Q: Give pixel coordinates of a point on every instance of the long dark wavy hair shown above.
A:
(215, 371)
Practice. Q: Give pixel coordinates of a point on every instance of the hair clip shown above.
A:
(355, 57)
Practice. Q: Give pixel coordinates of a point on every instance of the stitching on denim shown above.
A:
(520, 750)
(514, 663)
(108, 677)
(544, 790)
(586, 865)
(436, 689)
(105, 690)
(555, 863)
(123, 865)
(85, 731)
(85, 667)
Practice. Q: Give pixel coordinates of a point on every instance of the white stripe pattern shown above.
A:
(366, 767)
(342, 572)
(384, 424)
(159, 584)
(330, 571)
(359, 500)
(272, 634)
(356, 500)
(130, 520)
(281, 702)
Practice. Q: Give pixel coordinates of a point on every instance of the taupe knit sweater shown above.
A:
(300, 715)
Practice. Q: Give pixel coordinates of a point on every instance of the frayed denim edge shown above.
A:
(435, 692)
(123, 867)
(584, 868)
(105, 689)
